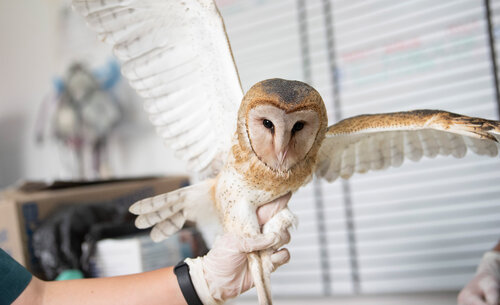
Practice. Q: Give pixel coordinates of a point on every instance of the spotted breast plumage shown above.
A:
(256, 148)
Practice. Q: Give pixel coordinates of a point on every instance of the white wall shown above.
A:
(27, 59)
(30, 56)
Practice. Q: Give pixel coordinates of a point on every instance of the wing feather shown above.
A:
(362, 157)
(430, 145)
(347, 168)
(446, 144)
(458, 145)
(413, 148)
(156, 61)
(170, 101)
(397, 148)
(375, 142)
(377, 158)
(385, 147)
(86, 7)
(177, 56)
(166, 213)
(207, 160)
(114, 18)
(190, 138)
(166, 76)
(178, 113)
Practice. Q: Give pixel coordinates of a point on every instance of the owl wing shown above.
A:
(168, 212)
(375, 142)
(177, 56)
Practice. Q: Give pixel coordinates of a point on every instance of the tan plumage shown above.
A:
(177, 56)
(374, 142)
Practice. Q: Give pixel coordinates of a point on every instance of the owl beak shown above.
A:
(281, 148)
(281, 156)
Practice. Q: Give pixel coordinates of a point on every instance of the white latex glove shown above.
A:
(223, 273)
(484, 288)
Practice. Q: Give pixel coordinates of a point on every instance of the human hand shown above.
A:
(484, 288)
(223, 273)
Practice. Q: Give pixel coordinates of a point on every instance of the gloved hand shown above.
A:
(484, 288)
(223, 273)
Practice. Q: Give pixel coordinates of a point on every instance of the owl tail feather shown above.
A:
(261, 279)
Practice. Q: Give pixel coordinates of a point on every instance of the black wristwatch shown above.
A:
(181, 270)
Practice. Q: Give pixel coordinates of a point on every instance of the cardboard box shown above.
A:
(22, 208)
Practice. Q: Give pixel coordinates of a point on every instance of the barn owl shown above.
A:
(259, 147)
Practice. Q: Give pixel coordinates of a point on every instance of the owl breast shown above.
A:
(250, 180)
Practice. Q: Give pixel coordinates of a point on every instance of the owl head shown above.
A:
(282, 122)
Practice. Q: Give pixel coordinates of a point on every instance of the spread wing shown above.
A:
(177, 56)
(375, 142)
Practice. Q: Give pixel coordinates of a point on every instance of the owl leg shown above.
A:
(242, 218)
(261, 282)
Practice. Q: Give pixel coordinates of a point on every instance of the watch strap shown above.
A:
(181, 270)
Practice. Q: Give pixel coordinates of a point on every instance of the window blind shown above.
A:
(423, 226)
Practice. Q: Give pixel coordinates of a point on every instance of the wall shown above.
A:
(30, 53)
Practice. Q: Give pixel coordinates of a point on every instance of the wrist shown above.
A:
(197, 274)
(181, 271)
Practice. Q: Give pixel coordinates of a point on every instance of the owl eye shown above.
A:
(297, 126)
(268, 124)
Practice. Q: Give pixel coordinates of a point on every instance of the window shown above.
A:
(420, 227)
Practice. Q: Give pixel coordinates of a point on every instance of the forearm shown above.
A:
(157, 287)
